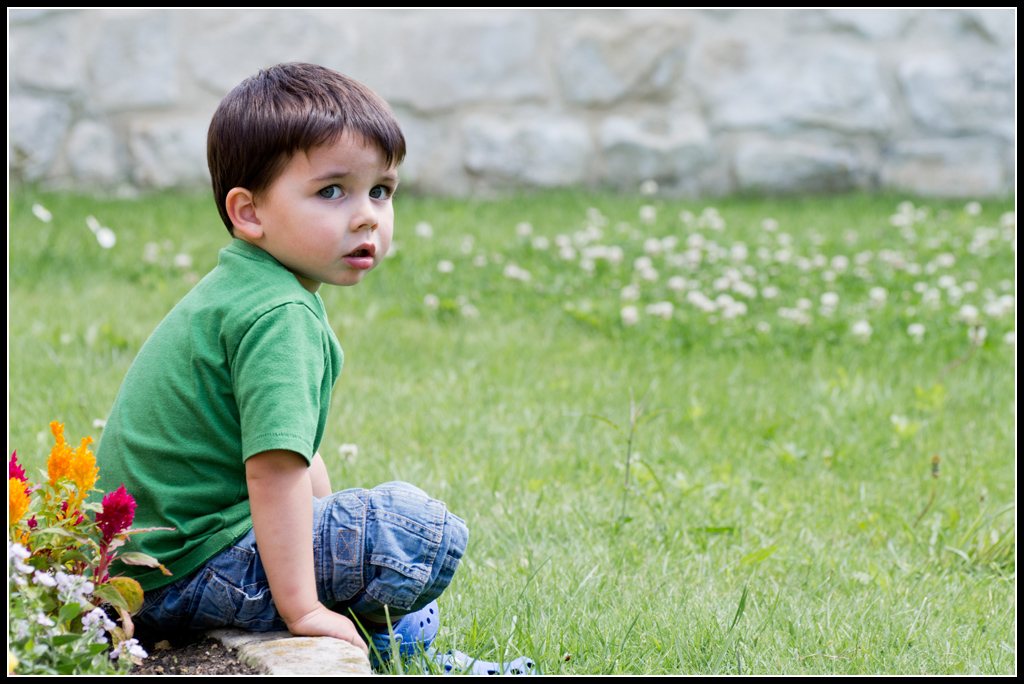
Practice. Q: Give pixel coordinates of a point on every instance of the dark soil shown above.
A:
(186, 653)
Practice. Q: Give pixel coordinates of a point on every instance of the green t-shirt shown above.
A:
(244, 363)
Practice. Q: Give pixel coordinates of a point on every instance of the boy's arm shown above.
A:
(281, 498)
(318, 476)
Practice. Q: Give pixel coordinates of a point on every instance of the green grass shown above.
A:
(780, 516)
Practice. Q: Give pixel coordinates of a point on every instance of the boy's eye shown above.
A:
(331, 192)
(380, 192)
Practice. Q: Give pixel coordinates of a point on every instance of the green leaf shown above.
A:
(111, 595)
(739, 610)
(69, 612)
(62, 639)
(136, 558)
(759, 555)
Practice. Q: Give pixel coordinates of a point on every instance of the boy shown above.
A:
(216, 427)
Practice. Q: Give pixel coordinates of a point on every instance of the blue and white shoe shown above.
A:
(412, 632)
(456, 662)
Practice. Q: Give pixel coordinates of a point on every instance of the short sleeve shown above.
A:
(277, 375)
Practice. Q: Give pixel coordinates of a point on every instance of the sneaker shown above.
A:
(411, 632)
(456, 662)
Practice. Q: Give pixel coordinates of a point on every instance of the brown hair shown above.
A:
(285, 109)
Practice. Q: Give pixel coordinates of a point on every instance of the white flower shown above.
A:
(969, 314)
(916, 330)
(567, 252)
(649, 188)
(630, 315)
(972, 208)
(840, 263)
(770, 225)
(524, 229)
(183, 261)
(445, 266)
(861, 329)
(431, 301)
(977, 334)
(829, 299)
(677, 283)
(630, 293)
(424, 230)
(470, 311)
(770, 292)
(652, 246)
(515, 273)
(878, 295)
(44, 578)
(648, 213)
(41, 213)
(945, 260)
(348, 452)
(540, 243)
(106, 238)
(151, 252)
(1010, 337)
(662, 309)
(480, 260)
(93, 224)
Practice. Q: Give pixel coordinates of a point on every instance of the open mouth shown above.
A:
(364, 251)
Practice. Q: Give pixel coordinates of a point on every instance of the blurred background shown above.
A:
(705, 102)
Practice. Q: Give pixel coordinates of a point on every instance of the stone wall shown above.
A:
(702, 101)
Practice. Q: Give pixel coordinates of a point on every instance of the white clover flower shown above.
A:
(540, 243)
(969, 314)
(861, 329)
(630, 315)
(649, 274)
(648, 213)
(1010, 337)
(431, 301)
(470, 311)
(424, 230)
(878, 295)
(348, 452)
(106, 238)
(840, 263)
(784, 239)
(829, 299)
(42, 213)
(783, 256)
(945, 260)
(467, 244)
(763, 327)
(701, 301)
(480, 260)
(94, 225)
(649, 188)
(770, 225)
(803, 304)
(947, 281)
(445, 266)
(183, 261)
(677, 283)
(687, 217)
(739, 251)
(567, 253)
(652, 246)
(745, 289)
(524, 229)
(630, 293)
(661, 309)
(976, 335)
(770, 292)
(916, 330)
(972, 208)
(515, 273)
(970, 286)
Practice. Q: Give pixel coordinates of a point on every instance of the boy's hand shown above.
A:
(324, 622)
(281, 500)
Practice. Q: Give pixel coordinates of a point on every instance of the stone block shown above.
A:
(224, 48)
(48, 56)
(38, 126)
(544, 152)
(872, 23)
(280, 653)
(782, 88)
(92, 153)
(170, 153)
(967, 167)
(135, 63)
(635, 150)
(447, 60)
(778, 167)
(602, 63)
(960, 95)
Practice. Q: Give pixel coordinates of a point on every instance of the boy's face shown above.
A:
(328, 218)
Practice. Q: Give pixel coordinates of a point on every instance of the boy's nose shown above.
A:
(364, 217)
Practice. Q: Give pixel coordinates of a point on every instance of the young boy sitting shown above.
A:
(216, 427)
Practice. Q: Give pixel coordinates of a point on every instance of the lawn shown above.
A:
(747, 435)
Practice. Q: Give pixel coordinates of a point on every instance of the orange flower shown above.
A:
(17, 500)
(58, 465)
(83, 470)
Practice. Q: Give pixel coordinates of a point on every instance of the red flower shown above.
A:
(14, 469)
(117, 514)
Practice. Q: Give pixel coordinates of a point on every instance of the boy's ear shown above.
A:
(242, 211)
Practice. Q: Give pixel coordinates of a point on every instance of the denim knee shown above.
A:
(388, 546)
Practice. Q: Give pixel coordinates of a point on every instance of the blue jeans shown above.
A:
(388, 546)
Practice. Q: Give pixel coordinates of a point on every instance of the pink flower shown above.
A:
(117, 514)
(14, 469)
